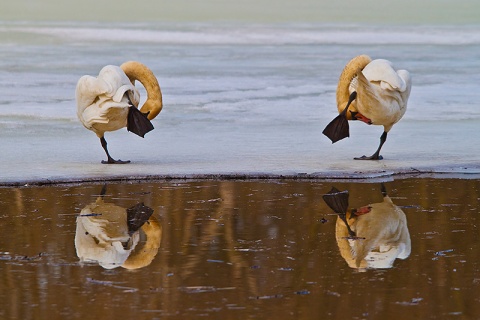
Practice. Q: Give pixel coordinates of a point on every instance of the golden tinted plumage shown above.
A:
(371, 91)
(109, 101)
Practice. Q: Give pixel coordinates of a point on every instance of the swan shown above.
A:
(372, 91)
(110, 235)
(110, 101)
(373, 236)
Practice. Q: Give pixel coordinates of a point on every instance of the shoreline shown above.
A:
(458, 172)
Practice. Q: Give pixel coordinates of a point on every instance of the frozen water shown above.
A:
(238, 98)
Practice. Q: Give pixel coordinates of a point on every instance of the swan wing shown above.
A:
(382, 70)
(88, 89)
(368, 93)
(119, 84)
(103, 101)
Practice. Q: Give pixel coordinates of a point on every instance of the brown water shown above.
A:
(240, 250)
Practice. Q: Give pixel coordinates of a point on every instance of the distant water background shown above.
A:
(223, 63)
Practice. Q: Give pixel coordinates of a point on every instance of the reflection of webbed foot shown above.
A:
(337, 200)
(137, 216)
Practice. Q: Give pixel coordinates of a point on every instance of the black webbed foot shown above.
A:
(113, 161)
(337, 129)
(372, 157)
(138, 123)
(110, 160)
(376, 155)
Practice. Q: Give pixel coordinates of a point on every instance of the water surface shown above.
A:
(240, 250)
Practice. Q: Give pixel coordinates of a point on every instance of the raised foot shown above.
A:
(112, 161)
(373, 157)
(337, 129)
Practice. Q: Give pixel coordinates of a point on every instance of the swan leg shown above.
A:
(384, 190)
(338, 129)
(351, 233)
(376, 155)
(110, 160)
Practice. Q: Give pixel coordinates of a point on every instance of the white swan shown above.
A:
(373, 236)
(371, 91)
(109, 101)
(110, 235)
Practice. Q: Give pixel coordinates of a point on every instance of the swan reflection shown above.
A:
(113, 236)
(372, 236)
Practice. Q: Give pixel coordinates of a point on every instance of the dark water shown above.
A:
(241, 250)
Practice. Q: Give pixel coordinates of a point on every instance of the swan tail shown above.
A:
(349, 73)
(138, 71)
(138, 123)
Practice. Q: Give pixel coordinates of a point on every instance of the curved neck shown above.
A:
(348, 73)
(138, 71)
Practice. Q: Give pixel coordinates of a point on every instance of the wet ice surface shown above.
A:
(238, 99)
(240, 249)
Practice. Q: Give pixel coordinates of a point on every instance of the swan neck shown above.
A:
(345, 82)
(138, 71)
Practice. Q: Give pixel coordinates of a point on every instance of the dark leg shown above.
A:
(352, 97)
(376, 155)
(109, 158)
(384, 190)
(104, 190)
(351, 233)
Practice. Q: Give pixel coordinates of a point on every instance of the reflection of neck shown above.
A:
(143, 256)
(138, 71)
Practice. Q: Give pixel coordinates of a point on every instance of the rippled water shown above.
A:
(241, 250)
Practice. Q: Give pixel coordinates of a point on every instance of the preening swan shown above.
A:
(372, 236)
(110, 101)
(371, 91)
(113, 236)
